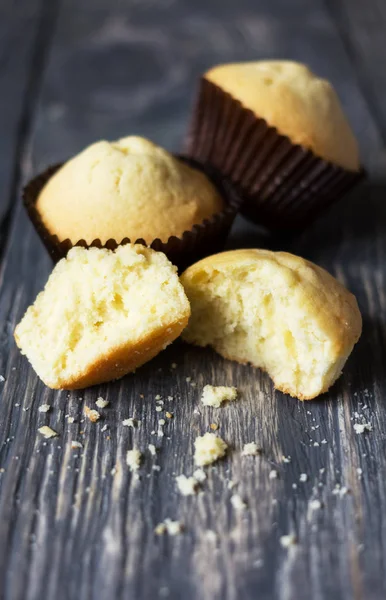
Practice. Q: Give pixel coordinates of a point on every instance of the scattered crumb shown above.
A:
(70, 419)
(215, 395)
(211, 536)
(213, 426)
(169, 415)
(273, 474)
(2, 378)
(322, 470)
(158, 408)
(170, 398)
(104, 428)
(47, 432)
(173, 527)
(101, 402)
(362, 427)
(170, 527)
(43, 408)
(188, 379)
(294, 486)
(238, 503)
(315, 504)
(130, 422)
(160, 402)
(75, 444)
(303, 477)
(187, 486)
(231, 484)
(359, 471)
(199, 475)
(286, 459)
(156, 467)
(196, 411)
(161, 422)
(316, 444)
(133, 459)
(288, 540)
(340, 490)
(250, 449)
(324, 441)
(160, 529)
(91, 414)
(152, 449)
(174, 365)
(208, 449)
(158, 397)
(160, 433)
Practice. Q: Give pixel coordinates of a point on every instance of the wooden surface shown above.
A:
(75, 524)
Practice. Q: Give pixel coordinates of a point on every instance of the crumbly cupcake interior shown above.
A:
(275, 311)
(97, 302)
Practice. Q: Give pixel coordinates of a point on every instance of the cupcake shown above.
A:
(279, 132)
(288, 316)
(102, 314)
(131, 190)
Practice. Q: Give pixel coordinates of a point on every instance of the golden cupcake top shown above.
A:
(128, 188)
(299, 104)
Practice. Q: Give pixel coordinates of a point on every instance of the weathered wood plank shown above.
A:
(22, 55)
(362, 29)
(72, 527)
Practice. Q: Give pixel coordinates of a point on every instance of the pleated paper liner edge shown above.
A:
(285, 186)
(202, 240)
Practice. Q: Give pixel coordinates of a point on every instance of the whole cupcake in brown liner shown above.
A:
(132, 190)
(279, 134)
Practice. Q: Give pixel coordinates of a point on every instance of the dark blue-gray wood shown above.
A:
(74, 524)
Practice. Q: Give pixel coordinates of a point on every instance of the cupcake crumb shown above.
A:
(47, 432)
(92, 414)
(101, 402)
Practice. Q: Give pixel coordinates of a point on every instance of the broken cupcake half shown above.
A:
(276, 311)
(101, 315)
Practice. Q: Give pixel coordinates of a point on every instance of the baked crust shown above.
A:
(121, 360)
(130, 188)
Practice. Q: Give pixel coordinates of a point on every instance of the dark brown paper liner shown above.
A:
(202, 240)
(285, 186)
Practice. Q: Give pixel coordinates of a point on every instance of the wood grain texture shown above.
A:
(74, 523)
(24, 31)
(362, 30)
